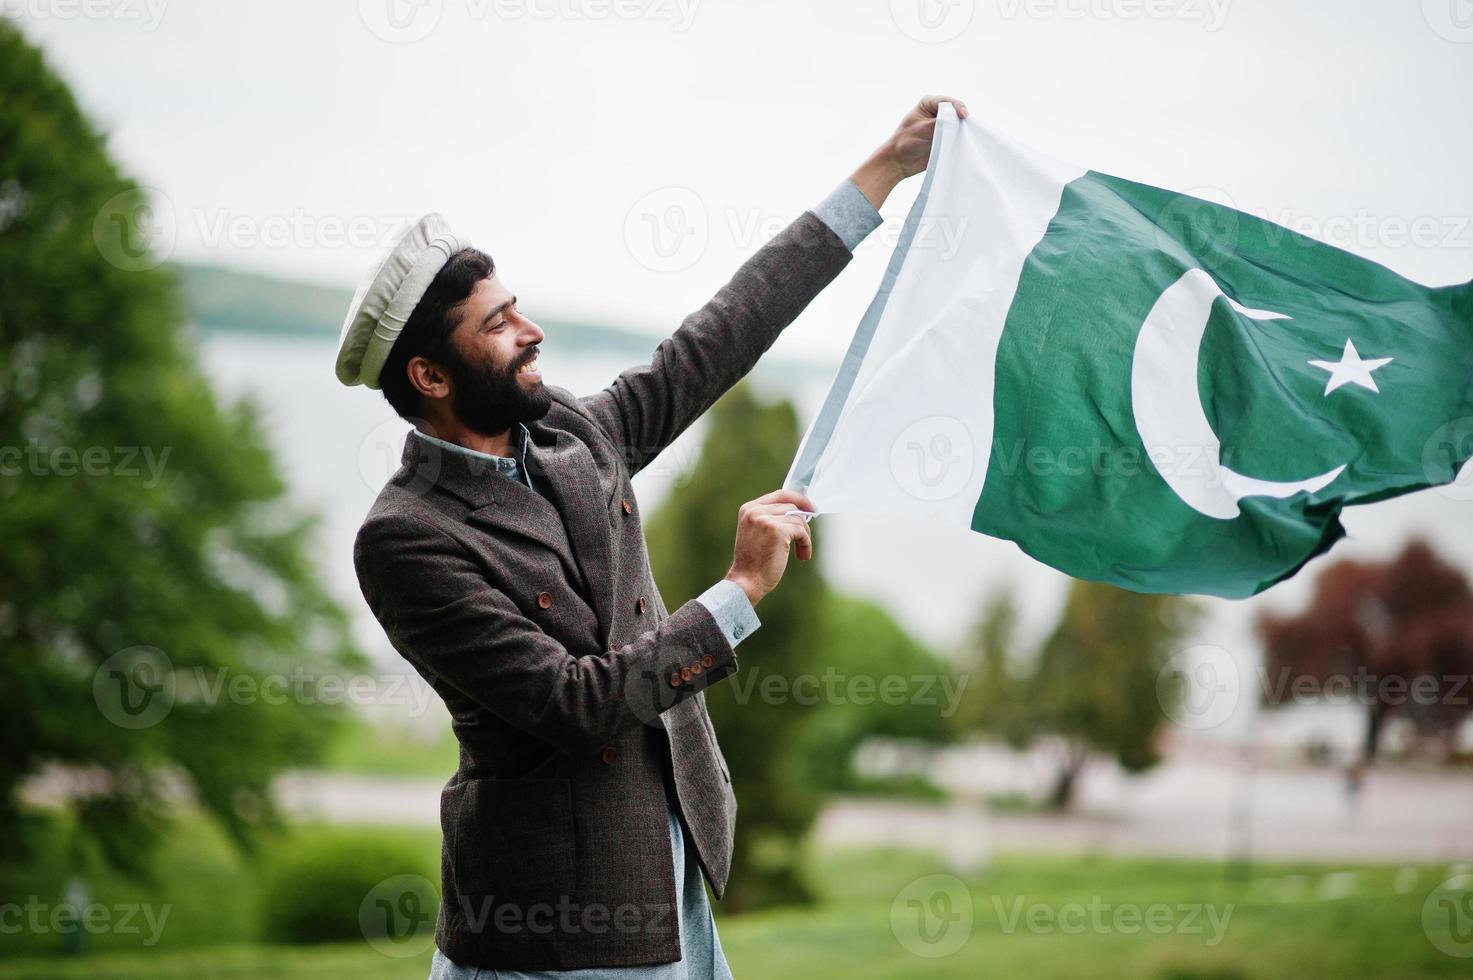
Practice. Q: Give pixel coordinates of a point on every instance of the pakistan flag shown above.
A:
(1136, 386)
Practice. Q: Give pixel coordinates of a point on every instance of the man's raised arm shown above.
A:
(648, 406)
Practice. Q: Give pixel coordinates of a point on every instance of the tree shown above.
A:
(885, 684)
(1093, 684)
(149, 555)
(1396, 636)
(747, 450)
(993, 701)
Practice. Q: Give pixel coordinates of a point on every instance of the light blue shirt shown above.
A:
(513, 466)
(849, 214)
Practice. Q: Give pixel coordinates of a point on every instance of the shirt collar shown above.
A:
(513, 466)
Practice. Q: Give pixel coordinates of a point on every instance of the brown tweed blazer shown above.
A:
(576, 697)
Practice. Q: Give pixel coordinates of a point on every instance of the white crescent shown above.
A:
(1168, 410)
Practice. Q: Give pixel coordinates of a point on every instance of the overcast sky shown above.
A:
(561, 134)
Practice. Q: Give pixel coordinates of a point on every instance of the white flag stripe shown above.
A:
(816, 439)
(914, 431)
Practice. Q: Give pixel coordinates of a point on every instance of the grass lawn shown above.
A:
(392, 750)
(1287, 921)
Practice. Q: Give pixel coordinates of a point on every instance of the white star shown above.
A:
(1350, 369)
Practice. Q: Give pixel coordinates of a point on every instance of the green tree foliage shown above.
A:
(991, 703)
(1094, 684)
(746, 454)
(876, 680)
(137, 511)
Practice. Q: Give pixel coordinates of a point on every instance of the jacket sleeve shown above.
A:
(440, 612)
(648, 406)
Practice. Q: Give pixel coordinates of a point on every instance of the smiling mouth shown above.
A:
(531, 368)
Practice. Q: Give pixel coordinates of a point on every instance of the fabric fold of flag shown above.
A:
(1135, 386)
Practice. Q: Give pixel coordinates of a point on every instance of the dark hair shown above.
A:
(427, 332)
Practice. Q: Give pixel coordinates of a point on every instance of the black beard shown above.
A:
(491, 400)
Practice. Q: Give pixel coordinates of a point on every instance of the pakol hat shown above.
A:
(388, 295)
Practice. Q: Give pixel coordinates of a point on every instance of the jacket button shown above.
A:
(685, 673)
(695, 669)
(675, 679)
(544, 599)
(640, 605)
(628, 507)
(613, 646)
(708, 661)
(608, 755)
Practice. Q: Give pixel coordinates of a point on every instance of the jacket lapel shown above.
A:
(566, 468)
(574, 523)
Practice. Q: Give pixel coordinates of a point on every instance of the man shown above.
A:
(506, 562)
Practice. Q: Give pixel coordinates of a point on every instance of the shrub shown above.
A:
(316, 882)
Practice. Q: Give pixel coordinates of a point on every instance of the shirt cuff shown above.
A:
(732, 610)
(849, 214)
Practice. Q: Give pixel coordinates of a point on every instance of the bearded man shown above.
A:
(506, 562)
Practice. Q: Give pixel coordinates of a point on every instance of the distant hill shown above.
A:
(229, 301)
(224, 299)
(246, 302)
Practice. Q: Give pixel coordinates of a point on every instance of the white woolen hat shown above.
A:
(388, 295)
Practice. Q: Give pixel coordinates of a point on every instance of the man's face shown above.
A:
(494, 376)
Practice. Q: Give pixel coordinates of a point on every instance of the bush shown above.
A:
(864, 643)
(315, 883)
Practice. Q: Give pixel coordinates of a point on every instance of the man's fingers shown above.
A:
(785, 496)
(800, 537)
(791, 525)
(777, 510)
(803, 545)
(931, 104)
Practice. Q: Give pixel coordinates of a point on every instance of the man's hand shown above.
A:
(762, 540)
(905, 153)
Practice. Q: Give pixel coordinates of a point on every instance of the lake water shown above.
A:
(338, 446)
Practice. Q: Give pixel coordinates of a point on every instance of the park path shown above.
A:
(1199, 809)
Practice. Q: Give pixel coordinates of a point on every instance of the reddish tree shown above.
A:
(1397, 636)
